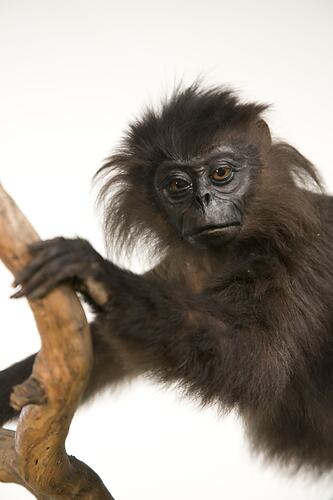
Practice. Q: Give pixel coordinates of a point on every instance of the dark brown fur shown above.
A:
(248, 324)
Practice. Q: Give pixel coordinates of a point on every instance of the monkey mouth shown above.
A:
(212, 229)
(213, 235)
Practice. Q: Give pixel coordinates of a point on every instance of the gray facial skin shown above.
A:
(204, 197)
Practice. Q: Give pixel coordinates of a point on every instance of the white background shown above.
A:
(72, 74)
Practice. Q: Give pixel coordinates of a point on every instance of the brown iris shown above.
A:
(177, 185)
(222, 174)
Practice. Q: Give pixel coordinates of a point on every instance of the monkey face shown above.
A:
(204, 198)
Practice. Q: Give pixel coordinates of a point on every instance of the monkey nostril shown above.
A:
(203, 200)
(199, 201)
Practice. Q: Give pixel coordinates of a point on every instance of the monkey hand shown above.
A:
(62, 260)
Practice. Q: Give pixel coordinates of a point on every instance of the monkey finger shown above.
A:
(40, 260)
(17, 295)
(50, 277)
(37, 246)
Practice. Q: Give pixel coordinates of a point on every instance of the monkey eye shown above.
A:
(178, 186)
(222, 175)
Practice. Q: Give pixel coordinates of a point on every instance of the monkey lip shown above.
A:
(211, 229)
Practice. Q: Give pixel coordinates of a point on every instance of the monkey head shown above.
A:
(185, 172)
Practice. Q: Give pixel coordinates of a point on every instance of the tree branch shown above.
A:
(35, 455)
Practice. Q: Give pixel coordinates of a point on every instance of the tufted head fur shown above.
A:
(193, 120)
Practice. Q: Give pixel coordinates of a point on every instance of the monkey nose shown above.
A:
(203, 199)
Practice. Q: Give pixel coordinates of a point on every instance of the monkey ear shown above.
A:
(260, 135)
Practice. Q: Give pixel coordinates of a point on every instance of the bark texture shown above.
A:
(34, 456)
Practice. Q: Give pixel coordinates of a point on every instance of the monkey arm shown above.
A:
(241, 341)
(227, 343)
(218, 346)
(111, 365)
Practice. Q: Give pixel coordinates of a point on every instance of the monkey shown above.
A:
(237, 309)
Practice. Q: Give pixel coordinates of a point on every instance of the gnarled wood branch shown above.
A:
(34, 456)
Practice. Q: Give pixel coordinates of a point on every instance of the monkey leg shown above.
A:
(13, 375)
